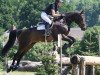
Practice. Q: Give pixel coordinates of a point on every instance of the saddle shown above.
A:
(41, 26)
(45, 27)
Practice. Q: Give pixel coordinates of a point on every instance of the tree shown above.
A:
(90, 41)
(30, 13)
(49, 66)
(92, 10)
(6, 18)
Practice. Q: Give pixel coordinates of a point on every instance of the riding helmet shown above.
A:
(57, 1)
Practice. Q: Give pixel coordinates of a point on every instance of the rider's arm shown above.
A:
(54, 14)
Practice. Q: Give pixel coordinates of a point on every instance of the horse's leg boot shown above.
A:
(48, 31)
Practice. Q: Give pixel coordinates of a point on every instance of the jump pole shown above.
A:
(60, 48)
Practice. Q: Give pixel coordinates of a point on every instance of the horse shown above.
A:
(28, 37)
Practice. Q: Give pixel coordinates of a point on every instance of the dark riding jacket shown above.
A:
(48, 9)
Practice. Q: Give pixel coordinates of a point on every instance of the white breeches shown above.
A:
(45, 17)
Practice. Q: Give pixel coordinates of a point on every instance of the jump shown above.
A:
(28, 37)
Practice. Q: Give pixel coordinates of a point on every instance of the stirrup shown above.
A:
(47, 32)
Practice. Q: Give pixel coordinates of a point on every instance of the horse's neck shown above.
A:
(70, 18)
(68, 21)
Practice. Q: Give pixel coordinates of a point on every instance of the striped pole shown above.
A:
(60, 48)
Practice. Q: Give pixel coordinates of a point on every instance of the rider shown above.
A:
(52, 10)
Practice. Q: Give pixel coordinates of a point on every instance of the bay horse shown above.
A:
(28, 37)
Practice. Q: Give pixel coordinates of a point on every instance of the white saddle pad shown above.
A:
(41, 27)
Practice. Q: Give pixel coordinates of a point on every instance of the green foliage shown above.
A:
(37, 52)
(24, 13)
(6, 17)
(1, 65)
(89, 44)
(30, 13)
(49, 66)
(97, 70)
(1, 31)
(92, 11)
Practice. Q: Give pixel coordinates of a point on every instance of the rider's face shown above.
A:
(59, 4)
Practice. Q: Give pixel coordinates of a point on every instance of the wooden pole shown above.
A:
(82, 66)
(89, 60)
(59, 40)
(60, 48)
(75, 69)
(93, 70)
(86, 60)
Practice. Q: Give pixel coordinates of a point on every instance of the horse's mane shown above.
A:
(75, 13)
(67, 14)
(70, 13)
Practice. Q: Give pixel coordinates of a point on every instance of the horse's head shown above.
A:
(78, 18)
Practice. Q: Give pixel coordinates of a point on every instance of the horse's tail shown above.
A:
(10, 42)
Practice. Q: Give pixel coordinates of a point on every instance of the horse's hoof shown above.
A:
(15, 68)
(8, 70)
(65, 46)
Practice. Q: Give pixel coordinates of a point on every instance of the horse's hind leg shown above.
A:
(17, 57)
(14, 59)
(24, 52)
(13, 66)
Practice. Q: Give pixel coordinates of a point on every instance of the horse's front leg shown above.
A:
(70, 40)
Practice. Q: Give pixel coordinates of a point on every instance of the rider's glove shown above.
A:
(63, 15)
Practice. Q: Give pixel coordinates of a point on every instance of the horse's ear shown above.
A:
(81, 12)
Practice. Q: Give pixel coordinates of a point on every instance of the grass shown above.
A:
(17, 73)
